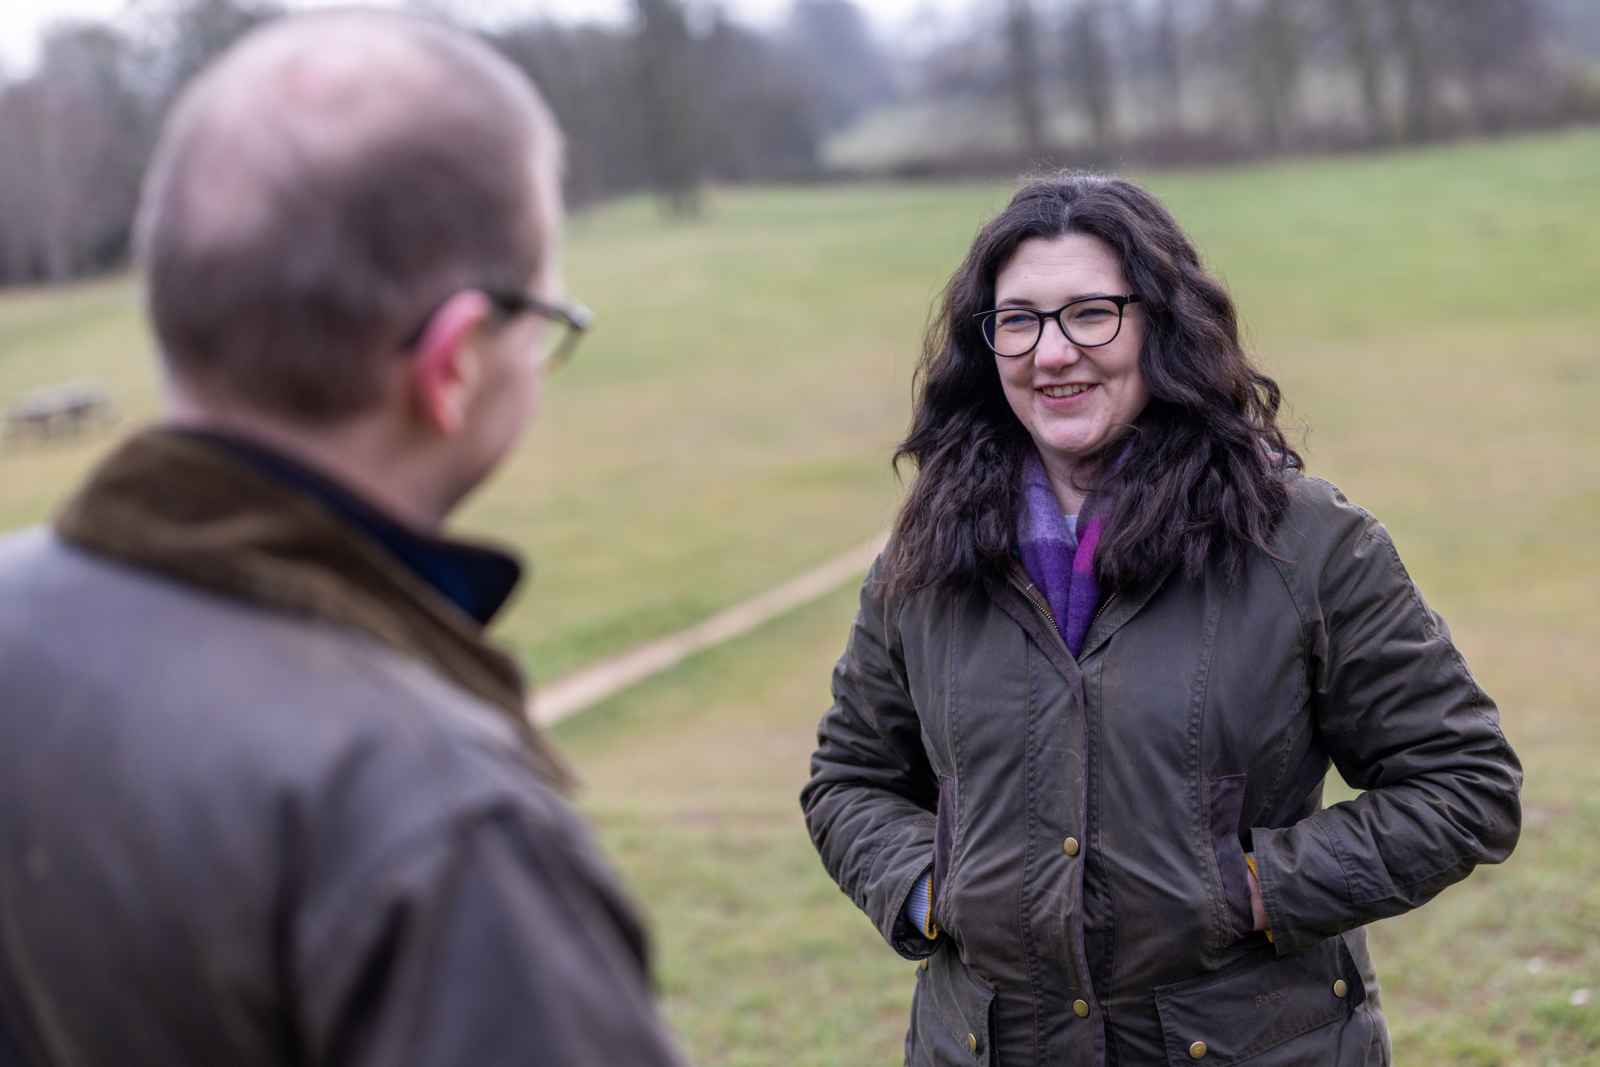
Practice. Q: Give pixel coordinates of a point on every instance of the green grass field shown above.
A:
(1434, 319)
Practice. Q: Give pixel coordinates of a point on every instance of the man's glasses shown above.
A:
(571, 319)
(1088, 323)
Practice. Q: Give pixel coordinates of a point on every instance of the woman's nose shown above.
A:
(1053, 349)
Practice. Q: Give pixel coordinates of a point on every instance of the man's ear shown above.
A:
(446, 365)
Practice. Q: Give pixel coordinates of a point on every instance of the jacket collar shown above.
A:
(1014, 597)
(187, 506)
(1123, 605)
(477, 579)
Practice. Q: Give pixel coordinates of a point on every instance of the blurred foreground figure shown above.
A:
(1075, 758)
(266, 794)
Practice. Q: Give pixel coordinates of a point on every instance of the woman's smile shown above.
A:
(1065, 392)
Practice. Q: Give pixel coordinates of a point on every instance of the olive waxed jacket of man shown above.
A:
(1086, 820)
(267, 797)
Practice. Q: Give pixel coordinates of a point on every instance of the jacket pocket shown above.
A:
(1227, 803)
(952, 1015)
(1275, 1011)
(944, 840)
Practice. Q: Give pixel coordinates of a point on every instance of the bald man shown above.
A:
(267, 795)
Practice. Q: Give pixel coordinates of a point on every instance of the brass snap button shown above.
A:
(1339, 988)
(1070, 846)
(1197, 1049)
(1080, 1008)
(972, 1042)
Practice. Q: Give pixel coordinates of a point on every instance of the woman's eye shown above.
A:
(1014, 321)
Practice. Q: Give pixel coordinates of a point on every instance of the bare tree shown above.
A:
(1089, 69)
(1418, 73)
(1498, 48)
(70, 167)
(1356, 22)
(843, 67)
(1023, 62)
(1169, 65)
(588, 76)
(197, 31)
(1274, 68)
(758, 117)
(670, 105)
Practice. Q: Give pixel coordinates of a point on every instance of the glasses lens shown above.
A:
(566, 329)
(1092, 322)
(1012, 332)
(559, 341)
(554, 343)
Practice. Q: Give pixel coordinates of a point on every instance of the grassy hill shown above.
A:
(1433, 317)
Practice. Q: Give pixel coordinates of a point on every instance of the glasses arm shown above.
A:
(568, 312)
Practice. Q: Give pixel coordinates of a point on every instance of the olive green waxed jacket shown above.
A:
(267, 799)
(1086, 820)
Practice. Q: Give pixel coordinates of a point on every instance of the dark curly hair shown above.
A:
(1200, 473)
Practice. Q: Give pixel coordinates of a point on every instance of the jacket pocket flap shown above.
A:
(963, 1003)
(1257, 1003)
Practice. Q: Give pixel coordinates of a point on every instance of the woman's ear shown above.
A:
(446, 365)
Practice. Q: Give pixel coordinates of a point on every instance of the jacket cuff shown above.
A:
(919, 905)
(909, 935)
(1302, 888)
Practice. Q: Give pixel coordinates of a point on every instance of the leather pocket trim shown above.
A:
(1227, 804)
(944, 840)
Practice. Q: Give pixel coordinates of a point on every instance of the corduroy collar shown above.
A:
(181, 505)
(475, 578)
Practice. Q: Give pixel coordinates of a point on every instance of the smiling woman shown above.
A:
(1193, 422)
(1075, 758)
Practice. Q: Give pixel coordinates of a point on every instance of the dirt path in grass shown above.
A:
(573, 692)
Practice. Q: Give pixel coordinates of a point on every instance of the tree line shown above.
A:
(1164, 79)
(681, 94)
(665, 102)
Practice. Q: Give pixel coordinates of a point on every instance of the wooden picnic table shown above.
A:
(59, 410)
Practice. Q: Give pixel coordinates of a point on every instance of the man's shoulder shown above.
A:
(209, 787)
(23, 551)
(206, 697)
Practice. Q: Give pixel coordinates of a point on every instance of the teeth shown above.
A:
(1056, 392)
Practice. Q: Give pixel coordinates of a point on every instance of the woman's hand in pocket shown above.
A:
(1258, 911)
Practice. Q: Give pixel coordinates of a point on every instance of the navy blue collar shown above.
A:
(477, 580)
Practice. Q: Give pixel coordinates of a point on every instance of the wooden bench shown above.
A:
(58, 411)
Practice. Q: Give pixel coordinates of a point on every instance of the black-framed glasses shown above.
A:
(570, 317)
(1088, 323)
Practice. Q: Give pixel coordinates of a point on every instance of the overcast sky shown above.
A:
(20, 20)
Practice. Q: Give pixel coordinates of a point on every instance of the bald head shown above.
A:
(321, 188)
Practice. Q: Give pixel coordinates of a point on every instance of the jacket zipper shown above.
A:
(1027, 592)
(1103, 607)
(1038, 602)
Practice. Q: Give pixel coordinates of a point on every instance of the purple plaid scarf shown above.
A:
(1061, 565)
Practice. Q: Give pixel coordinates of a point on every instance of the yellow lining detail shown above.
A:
(1251, 860)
